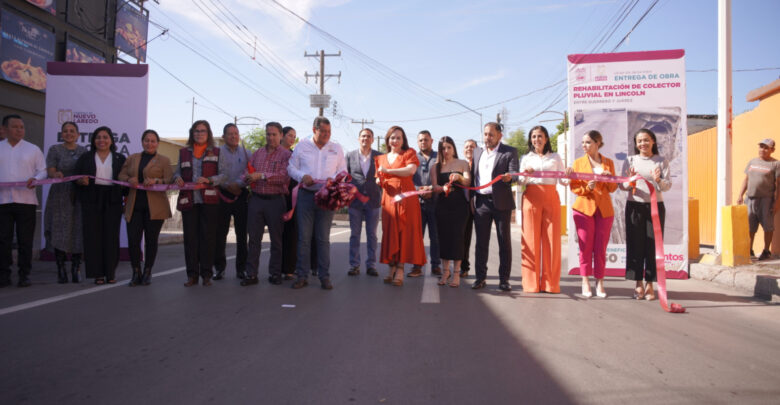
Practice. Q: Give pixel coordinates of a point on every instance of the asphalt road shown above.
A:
(369, 343)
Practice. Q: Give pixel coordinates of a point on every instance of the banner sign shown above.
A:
(618, 94)
(25, 47)
(131, 31)
(48, 5)
(93, 95)
(76, 53)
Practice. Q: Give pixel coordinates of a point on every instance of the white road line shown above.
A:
(50, 300)
(430, 291)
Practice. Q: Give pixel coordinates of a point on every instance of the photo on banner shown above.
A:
(77, 53)
(48, 5)
(131, 31)
(25, 47)
(618, 94)
(93, 95)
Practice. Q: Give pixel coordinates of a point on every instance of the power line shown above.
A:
(635, 25)
(189, 87)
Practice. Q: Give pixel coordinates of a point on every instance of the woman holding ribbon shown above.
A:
(593, 213)
(101, 205)
(452, 208)
(640, 240)
(199, 164)
(541, 241)
(401, 220)
(62, 218)
(145, 210)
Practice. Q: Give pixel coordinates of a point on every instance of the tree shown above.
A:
(516, 139)
(255, 139)
(561, 128)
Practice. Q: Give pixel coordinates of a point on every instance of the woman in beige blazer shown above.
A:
(145, 211)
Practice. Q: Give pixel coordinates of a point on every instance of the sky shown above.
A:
(401, 61)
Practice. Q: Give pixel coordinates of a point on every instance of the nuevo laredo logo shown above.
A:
(601, 73)
(64, 115)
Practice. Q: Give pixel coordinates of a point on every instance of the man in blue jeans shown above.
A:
(313, 161)
(422, 181)
(360, 165)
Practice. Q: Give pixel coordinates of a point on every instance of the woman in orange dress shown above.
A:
(401, 221)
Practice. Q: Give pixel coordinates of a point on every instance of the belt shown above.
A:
(266, 196)
(488, 196)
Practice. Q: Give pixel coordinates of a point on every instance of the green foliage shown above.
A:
(255, 139)
(517, 139)
(562, 127)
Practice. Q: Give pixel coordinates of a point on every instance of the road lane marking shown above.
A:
(430, 291)
(74, 294)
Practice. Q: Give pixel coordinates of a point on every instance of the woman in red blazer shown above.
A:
(593, 212)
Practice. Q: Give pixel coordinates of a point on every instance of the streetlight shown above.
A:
(470, 109)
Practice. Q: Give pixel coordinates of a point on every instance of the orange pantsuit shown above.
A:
(541, 244)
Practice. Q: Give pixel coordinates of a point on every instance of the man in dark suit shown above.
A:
(360, 165)
(493, 204)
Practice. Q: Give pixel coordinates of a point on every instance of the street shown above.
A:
(367, 342)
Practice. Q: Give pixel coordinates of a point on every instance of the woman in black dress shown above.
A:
(452, 208)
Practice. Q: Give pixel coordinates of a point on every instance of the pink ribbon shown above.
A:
(288, 215)
(153, 187)
(657, 234)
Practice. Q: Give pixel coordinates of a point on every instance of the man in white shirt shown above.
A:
(493, 204)
(19, 161)
(314, 161)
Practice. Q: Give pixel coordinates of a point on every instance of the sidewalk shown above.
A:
(760, 278)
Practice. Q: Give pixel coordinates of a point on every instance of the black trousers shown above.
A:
(20, 217)
(238, 211)
(141, 226)
(200, 238)
(102, 221)
(485, 215)
(640, 241)
(465, 265)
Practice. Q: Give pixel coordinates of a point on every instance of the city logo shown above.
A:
(601, 73)
(580, 74)
(64, 116)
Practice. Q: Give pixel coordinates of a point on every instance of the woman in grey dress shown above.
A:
(62, 217)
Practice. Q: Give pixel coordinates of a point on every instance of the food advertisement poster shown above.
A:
(131, 30)
(618, 94)
(93, 95)
(76, 53)
(48, 5)
(25, 47)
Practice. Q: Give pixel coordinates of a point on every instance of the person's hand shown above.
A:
(528, 170)
(30, 182)
(568, 171)
(84, 181)
(446, 189)
(455, 177)
(382, 169)
(740, 200)
(58, 175)
(133, 181)
(438, 189)
(657, 174)
(506, 178)
(203, 180)
(591, 185)
(306, 180)
(427, 192)
(179, 181)
(149, 181)
(631, 171)
(234, 188)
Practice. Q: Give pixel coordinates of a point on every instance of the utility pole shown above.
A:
(321, 76)
(723, 193)
(193, 111)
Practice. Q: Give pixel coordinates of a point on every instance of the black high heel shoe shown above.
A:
(146, 279)
(136, 280)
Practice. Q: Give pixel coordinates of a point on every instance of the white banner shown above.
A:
(94, 95)
(617, 94)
